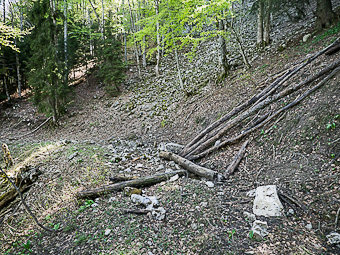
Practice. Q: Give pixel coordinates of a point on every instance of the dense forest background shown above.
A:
(44, 43)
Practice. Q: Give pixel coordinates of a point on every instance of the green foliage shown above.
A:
(182, 23)
(46, 70)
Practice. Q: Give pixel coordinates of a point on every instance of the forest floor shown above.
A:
(101, 137)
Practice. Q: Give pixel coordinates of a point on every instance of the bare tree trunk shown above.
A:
(324, 14)
(223, 61)
(4, 10)
(103, 20)
(133, 31)
(266, 23)
(65, 42)
(158, 55)
(17, 61)
(144, 40)
(259, 40)
(124, 35)
(6, 88)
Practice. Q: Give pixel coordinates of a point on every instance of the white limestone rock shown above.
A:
(267, 202)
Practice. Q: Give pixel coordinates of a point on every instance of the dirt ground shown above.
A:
(100, 137)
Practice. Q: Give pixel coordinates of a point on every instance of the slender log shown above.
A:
(333, 50)
(122, 178)
(137, 211)
(191, 167)
(236, 161)
(216, 126)
(271, 117)
(259, 106)
(141, 182)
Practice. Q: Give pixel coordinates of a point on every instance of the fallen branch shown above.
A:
(141, 182)
(33, 131)
(214, 131)
(192, 167)
(29, 211)
(289, 199)
(234, 164)
(268, 119)
(122, 178)
(137, 211)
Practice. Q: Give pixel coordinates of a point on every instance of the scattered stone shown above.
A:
(204, 204)
(94, 205)
(250, 217)
(251, 193)
(333, 238)
(107, 232)
(128, 191)
(174, 178)
(128, 170)
(267, 202)
(139, 166)
(174, 147)
(148, 202)
(259, 230)
(194, 226)
(160, 167)
(210, 184)
(159, 213)
(309, 226)
(112, 199)
(73, 155)
(306, 37)
(290, 212)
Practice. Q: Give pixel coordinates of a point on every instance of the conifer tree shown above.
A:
(46, 70)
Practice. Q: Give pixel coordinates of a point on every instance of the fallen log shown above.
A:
(22, 178)
(122, 178)
(137, 183)
(201, 147)
(215, 129)
(234, 164)
(136, 211)
(334, 49)
(268, 119)
(192, 167)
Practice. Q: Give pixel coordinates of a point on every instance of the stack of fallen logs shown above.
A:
(214, 137)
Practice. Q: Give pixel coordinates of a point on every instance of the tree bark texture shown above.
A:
(191, 167)
(141, 182)
(324, 14)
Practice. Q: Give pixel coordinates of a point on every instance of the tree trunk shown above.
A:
(158, 55)
(191, 167)
(223, 61)
(266, 23)
(133, 29)
(103, 21)
(6, 88)
(17, 61)
(259, 40)
(65, 42)
(324, 14)
(141, 182)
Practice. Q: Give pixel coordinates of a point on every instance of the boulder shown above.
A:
(267, 202)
